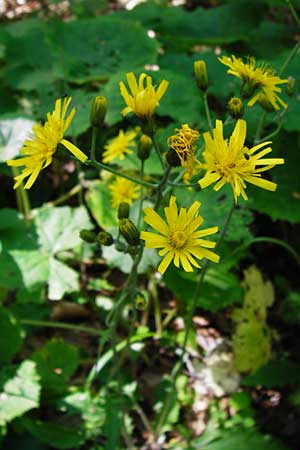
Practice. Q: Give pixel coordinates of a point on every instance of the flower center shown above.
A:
(178, 239)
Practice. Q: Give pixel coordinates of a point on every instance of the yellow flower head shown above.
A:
(183, 143)
(123, 190)
(256, 77)
(178, 237)
(38, 152)
(229, 161)
(119, 146)
(143, 100)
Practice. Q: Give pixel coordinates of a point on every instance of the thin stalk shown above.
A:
(163, 182)
(156, 148)
(207, 112)
(65, 197)
(141, 195)
(178, 366)
(101, 166)
(22, 197)
(63, 325)
(289, 59)
(293, 12)
(260, 127)
(93, 144)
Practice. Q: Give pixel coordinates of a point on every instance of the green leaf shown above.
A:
(13, 133)
(62, 279)
(10, 336)
(56, 362)
(275, 374)
(20, 391)
(98, 199)
(57, 436)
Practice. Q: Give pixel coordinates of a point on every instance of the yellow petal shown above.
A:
(75, 150)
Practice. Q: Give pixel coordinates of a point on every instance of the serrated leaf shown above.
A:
(20, 391)
(62, 279)
(55, 363)
(57, 436)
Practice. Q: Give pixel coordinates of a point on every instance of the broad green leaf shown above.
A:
(13, 133)
(55, 363)
(98, 199)
(275, 374)
(62, 279)
(10, 336)
(20, 391)
(55, 435)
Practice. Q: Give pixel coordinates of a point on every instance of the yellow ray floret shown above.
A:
(119, 146)
(143, 99)
(123, 190)
(259, 78)
(229, 161)
(38, 152)
(178, 237)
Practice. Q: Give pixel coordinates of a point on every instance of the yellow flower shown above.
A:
(232, 162)
(178, 238)
(119, 146)
(123, 190)
(254, 77)
(38, 152)
(143, 99)
(183, 143)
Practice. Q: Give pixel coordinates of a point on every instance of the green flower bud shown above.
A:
(120, 247)
(144, 148)
(201, 76)
(104, 238)
(88, 236)
(140, 302)
(172, 158)
(98, 111)
(123, 210)
(236, 107)
(290, 86)
(129, 231)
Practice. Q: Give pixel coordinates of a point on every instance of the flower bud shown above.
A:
(98, 111)
(172, 158)
(201, 76)
(129, 231)
(144, 148)
(88, 236)
(140, 301)
(123, 210)
(290, 86)
(104, 238)
(236, 107)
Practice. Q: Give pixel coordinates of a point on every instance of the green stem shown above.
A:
(206, 107)
(63, 325)
(293, 12)
(101, 166)
(156, 148)
(22, 197)
(141, 195)
(260, 127)
(159, 192)
(178, 366)
(75, 190)
(93, 144)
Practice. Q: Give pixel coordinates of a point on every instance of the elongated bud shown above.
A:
(236, 107)
(129, 231)
(123, 210)
(201, 76)
(172, 158)
(290, 86)
(98, 111)
(104, 238)
(88, 236)
(145, 146)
